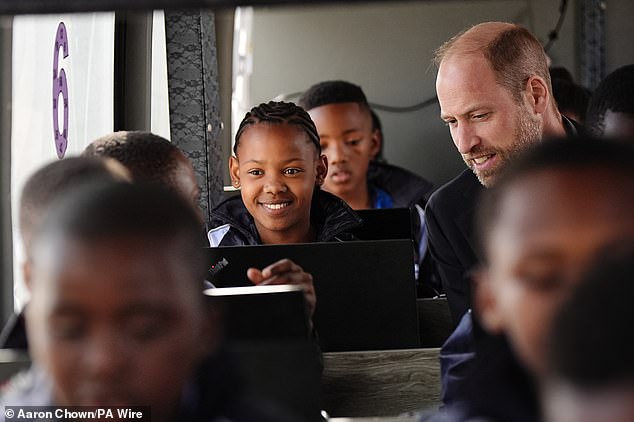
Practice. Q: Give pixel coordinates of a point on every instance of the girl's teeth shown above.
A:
(276, 206)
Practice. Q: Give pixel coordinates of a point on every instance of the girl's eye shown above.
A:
(292, 171)
(353, 142)
(255, 172)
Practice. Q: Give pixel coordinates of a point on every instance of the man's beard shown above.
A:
(527, 133)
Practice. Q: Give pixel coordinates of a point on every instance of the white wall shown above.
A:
(387, 49)
(89, 71)
(160, 107)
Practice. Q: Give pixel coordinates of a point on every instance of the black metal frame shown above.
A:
(64, 6)
(132, 70)
(592, 44)
(6, 241)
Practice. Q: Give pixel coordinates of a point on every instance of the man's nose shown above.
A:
(465, 138)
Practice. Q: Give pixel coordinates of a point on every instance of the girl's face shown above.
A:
(277, 169)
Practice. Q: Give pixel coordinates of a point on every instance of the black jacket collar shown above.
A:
(331, 217)
(405, 187)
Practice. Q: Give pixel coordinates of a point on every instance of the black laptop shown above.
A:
(262, 313)
(283, 372)
(384, 223)
(366, 294)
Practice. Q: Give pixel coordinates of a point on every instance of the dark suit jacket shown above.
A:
(449, 218)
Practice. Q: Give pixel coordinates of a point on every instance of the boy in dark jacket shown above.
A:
(551, 213)
(40, 191)
(590, 365)
(351, 141)
(116, 317)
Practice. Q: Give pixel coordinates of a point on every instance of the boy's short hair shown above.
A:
(592, 340)
(583, 153)
(150, 158)
(615, 93)
(48, 183)
(333, 92)
(100, 211)
(279, 112)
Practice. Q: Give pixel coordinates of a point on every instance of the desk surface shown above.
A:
(380, 383)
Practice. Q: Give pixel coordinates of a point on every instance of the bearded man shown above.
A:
(495, 96)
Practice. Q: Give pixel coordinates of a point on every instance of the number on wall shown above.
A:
(60, 87)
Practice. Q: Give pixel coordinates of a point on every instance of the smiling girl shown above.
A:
(279, 168)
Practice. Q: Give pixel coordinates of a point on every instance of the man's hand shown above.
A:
(286, 271)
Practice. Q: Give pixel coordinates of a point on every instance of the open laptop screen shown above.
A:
(366, 294)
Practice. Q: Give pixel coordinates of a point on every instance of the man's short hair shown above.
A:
(592, 338)
(580, 154)
(513, 53)
(333, 92)
(50, 182)
(150, 158)
(614, 93)
(102, 211)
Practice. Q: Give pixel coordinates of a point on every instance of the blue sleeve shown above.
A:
(456, 360)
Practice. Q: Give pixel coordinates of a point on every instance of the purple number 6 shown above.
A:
(60, 86)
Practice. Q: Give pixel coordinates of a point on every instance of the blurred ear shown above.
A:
(375, 143)
(485, 302)
(234, 171)
(27, 274)
(321, 169)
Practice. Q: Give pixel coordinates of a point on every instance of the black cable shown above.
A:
(406, 109)
(552, 37)
(554, 34)
(394, 109)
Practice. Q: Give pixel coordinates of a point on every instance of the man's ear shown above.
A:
(27, 274)
(321, 170)
(537, 94)
(234, 171)
(485, 302)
